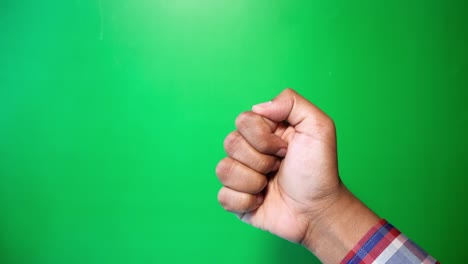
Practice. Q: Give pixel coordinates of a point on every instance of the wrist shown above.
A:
(332, 234)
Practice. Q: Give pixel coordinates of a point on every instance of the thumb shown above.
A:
(296, 110)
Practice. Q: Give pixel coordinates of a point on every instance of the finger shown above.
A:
(259, 132)
(239, 149)
(239, 177)
(238, 202)
(297, 111)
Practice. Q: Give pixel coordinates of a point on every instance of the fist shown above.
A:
(280, 173)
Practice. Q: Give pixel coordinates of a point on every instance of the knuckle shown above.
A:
(289, 92)
(243, 119)
(223, 198)
(223, 169)
(327, 125)
(220, 169)
(330, 123)
(325, 128)
(232, 141)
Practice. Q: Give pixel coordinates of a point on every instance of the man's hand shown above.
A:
(281, 175)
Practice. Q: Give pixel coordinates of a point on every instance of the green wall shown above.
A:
(113, 113)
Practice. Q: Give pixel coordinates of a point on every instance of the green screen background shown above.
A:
(113, 113)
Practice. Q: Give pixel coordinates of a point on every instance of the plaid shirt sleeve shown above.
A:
(385, 244)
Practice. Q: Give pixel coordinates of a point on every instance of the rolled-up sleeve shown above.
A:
(386, 244)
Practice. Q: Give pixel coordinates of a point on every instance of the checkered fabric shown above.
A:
(385, 244)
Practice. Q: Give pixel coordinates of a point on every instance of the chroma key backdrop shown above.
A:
(113, 114)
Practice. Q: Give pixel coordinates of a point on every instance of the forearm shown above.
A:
(332, 235)
(303, 199)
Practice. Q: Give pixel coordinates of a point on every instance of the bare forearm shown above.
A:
(340, 227)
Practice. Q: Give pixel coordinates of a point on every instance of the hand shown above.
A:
(281, 173)
(307, 180)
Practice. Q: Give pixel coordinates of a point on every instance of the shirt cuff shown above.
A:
(383, 243)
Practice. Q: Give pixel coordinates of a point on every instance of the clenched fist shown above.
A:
(281, 175)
